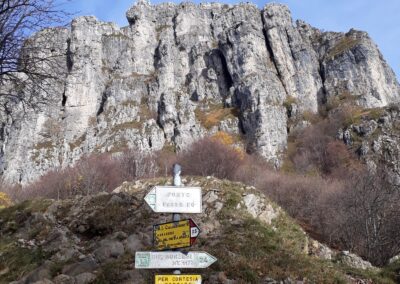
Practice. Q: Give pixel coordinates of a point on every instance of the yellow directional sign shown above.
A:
(178, 279)
(175, 235)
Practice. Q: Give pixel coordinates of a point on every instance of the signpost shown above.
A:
(174, 235)
(172, 259)
(178, 279)
(174, 199)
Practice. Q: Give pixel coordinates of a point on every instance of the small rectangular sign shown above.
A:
(178, 279)
(175, 235)
(175, 199)
(172, 259)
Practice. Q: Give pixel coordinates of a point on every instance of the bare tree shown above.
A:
(210, 157)
(136, 165)
(30, 66)
(368, 218)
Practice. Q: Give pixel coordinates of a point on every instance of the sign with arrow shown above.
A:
(175, 199)
(172, 259)
(178, 279)
(175, 235)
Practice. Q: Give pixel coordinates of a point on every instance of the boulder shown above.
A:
(133, 243)
(87, 265)
(109, 249)
(353, 260)
(84, 278)
(64, 279)
(257, 208)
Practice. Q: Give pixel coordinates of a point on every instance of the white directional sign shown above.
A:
(174, 199)
(172, 259)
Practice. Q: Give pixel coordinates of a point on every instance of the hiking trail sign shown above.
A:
(178, 279)
(169, 238)
(172, 259)
(175, 199)
(174, 235)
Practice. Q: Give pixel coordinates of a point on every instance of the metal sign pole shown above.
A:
(176, 217)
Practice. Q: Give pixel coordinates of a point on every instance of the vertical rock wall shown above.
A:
(157, 82)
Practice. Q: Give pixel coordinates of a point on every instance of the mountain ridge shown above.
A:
(179, 72)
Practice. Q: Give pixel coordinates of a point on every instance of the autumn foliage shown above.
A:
(5, 200)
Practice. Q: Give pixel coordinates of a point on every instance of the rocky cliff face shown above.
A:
(180, 72)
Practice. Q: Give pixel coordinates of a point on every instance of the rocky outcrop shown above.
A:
(375, 138)
(352, 65)
(181, 72)
(353, 260)
(258, 209)
(295, 59)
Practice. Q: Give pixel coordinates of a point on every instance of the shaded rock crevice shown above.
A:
(271, 53)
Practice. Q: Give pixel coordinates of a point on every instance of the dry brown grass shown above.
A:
(215, 114)
(344, 44)
(5, 200)
(126, 125)
(44, 145)
(78, 142)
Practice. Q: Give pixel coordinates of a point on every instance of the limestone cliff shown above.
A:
(180, 72)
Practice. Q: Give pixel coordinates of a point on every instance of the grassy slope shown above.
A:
(247, 249)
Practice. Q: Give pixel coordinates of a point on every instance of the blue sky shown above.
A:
(381, 19)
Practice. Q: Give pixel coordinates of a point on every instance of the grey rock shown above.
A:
(120, 235)
(109, 249)
(44, 281)
(366, 128)
(394, 258)
(87, 265)
(58, 237)
(319, 250)
(295, 59)
(347, 139)
(353, 260)
(353, 66)
(300, 126)
(218, 206)
(143, 86)
(85, 278)
(220, 277)
(133, 244)
(268, 280)
(376, 146)
(385, 120)
(364, 149)
(256, 206)
(339, 134)
(133, 276)
(115, 199)
(210, 197)
(382, 140)
(66, 253)
(39, 274)
(63, 279)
